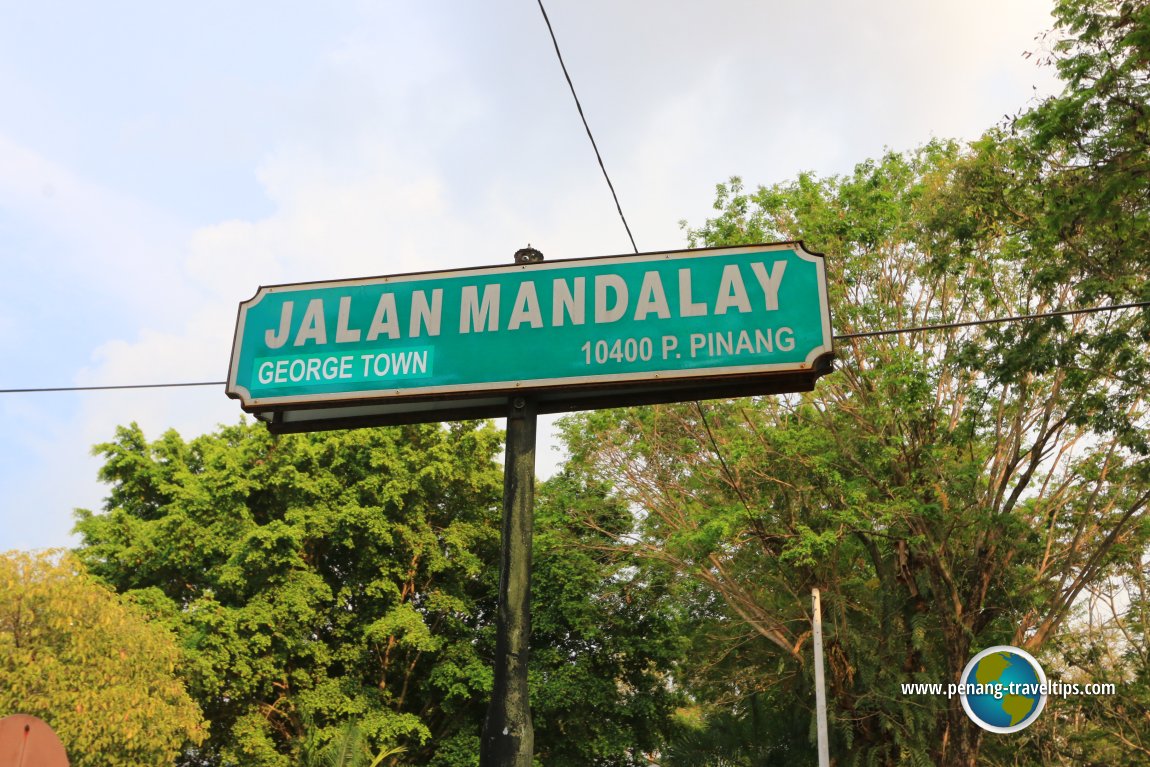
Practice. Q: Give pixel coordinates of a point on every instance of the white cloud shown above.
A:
(116, 246)
(443, 138)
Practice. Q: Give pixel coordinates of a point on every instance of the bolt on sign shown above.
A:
(572, 334)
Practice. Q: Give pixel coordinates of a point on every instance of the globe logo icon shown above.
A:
(1003, 689)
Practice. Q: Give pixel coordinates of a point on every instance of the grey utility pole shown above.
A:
(820, 682)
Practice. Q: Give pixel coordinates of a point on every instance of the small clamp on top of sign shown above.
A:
(528, 255)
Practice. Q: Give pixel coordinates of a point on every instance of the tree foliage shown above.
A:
(949, 489)
(335, 594)
(606, 638)
(1085, 149)
(346, 749)
(91, 665)
(317, 578)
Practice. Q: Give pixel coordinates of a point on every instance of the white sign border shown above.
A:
(240, 392)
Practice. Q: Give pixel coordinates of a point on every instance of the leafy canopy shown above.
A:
(90, 664)
(335, 595)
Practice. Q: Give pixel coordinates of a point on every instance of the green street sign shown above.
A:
(594, 332)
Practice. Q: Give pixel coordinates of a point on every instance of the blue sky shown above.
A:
(158, 163)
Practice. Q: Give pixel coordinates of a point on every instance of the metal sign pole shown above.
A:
(508, 737)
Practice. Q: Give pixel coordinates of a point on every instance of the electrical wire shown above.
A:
(993, 321)
(587, 127)
(839, 337)
(35, 390)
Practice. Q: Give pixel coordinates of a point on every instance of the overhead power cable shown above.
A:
(839, 337)
(108, 388)
(587, 127)
(599, 157)
(992, 321)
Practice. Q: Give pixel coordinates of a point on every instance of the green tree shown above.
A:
(948, 490)
(90, 664)
(1069, 183)
(1062, 195)
(312, 578)
(1106, 643)
(351, 576)
(954, 489)
(345, 749)
(1084, 149)
(606, 638)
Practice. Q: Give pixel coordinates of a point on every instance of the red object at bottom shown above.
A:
(26, 741)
